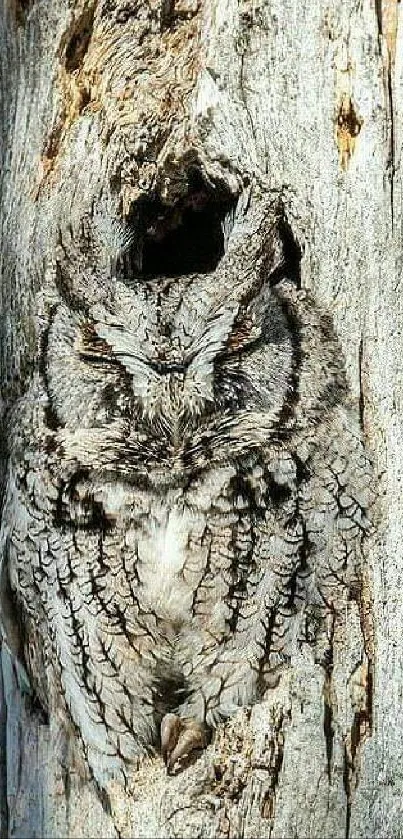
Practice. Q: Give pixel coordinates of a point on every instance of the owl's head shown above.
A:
(185, 355)
(177, 369)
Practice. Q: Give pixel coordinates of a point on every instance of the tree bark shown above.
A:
(103, 103)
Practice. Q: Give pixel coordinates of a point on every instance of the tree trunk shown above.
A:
(105, 103)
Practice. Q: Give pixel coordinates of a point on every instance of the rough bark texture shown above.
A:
(106, 102)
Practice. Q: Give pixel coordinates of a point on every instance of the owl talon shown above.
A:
(179, 738)
(170, 730)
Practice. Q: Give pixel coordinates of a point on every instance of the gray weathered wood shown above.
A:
(305, 98)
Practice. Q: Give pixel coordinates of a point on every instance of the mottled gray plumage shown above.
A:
(186, 494)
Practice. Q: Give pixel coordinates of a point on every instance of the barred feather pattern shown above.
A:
(187, 492)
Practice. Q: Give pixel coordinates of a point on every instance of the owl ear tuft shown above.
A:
(262, 249)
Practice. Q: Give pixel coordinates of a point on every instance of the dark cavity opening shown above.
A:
(172, 17)
(184, 239)
(21, 10)
(78, 43)
(291, 268)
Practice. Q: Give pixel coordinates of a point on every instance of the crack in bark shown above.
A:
(21, 10)
(386, 12)
(174, 12)
(328, 715)
(276, 757)
(75, 43)
(360, 731)
(4, 809)
(75, 87)
(361, 400)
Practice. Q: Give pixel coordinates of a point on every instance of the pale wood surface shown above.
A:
(306, 98)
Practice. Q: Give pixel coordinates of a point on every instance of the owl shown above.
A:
(186, 495)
